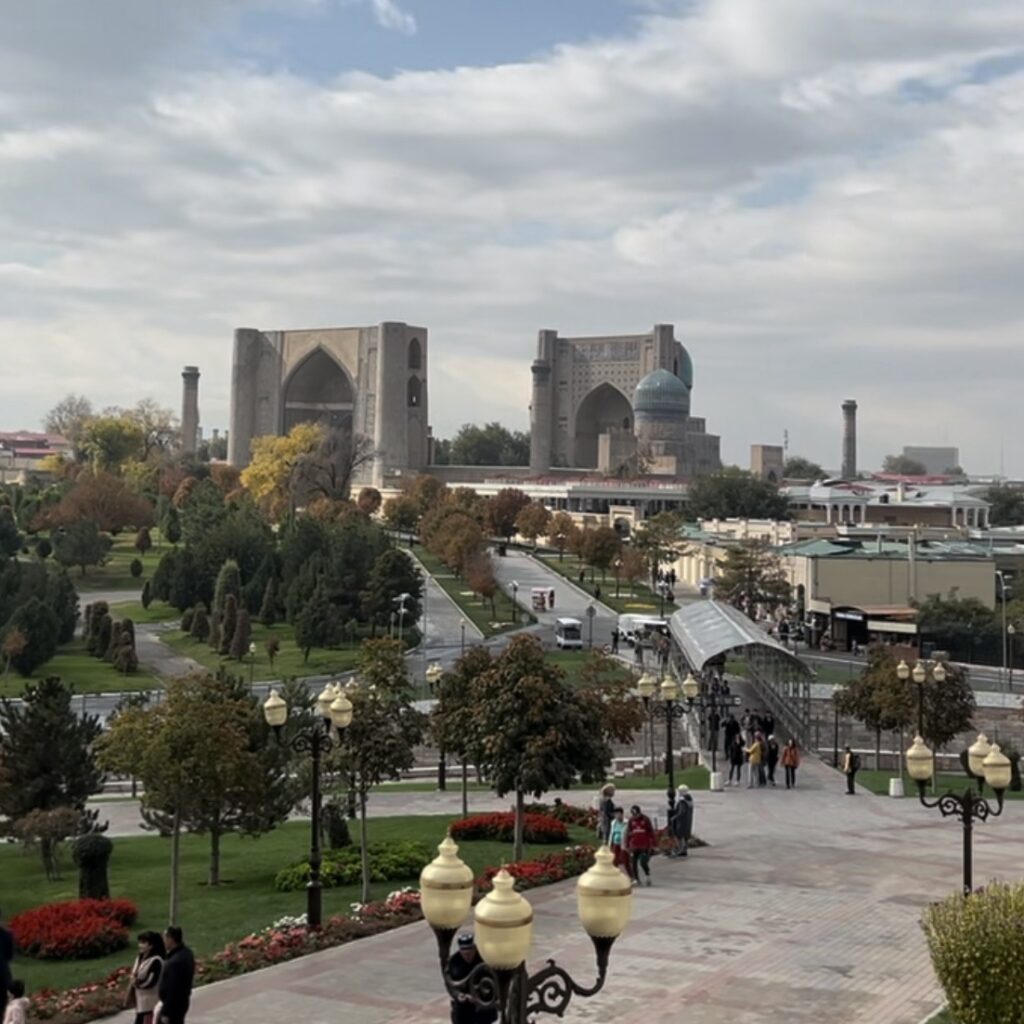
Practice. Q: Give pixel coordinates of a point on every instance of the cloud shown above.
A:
(822, 198)
(389, 15)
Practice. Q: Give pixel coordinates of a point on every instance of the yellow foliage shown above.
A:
(268, 477)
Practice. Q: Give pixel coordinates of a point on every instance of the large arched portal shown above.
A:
(319, 391)
(604, 409)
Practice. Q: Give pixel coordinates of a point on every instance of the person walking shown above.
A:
(615, 640)
(6, 956)
(681, 821)
(851, 765)
(772, 758)
(736, 756)
(640, 844)
(768, 723)
(606, 812)
(790, 762)
(731, 729)
(144, 982)
(17, 1003)
(176, 978)
(755, 757)
(617, 841)
(461, 965)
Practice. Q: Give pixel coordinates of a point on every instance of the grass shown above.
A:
(479, 613)
(823, 672)
(695, 778)
(115, 574)
(572, 662)
(158, 611)
(289, 662)
(634, 598)
(878, 783)
(86, 673)
(213, 917)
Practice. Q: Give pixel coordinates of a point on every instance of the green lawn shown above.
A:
(479, 613)
(115, 574)
(289, 662)
(86, 673)
(632, 599)
(572, 662)
(246, 902)
(695, 778)
(878, 782)
(156, 612)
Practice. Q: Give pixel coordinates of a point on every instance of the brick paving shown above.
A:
(804, 908)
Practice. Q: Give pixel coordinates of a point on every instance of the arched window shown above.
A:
(415, 355)
(415, 392)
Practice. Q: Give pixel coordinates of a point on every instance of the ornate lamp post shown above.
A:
(334, 711)
(666, 709)
(515, 600)
(433, 674)
(1011, 631)
(705, 702)
(987, 764)
(504, 933)
(920, 677)
(462, 627)
(618, 570)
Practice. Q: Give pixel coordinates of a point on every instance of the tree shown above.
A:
(38, 624)
(101, 498)
(158, 428)
(634, 566)
(48, 830)
(735, 494)
(751, 578)
(401, 513)
(170, 525)
(481, 579)
(560, 530)
(489, 445)
(503, 510)
(903, 465)
(242, 636)
(798, 468)
(533, 521)
(600, 548)
(143, 541)
(273, 647)
(369, 501)
(135, 568)
(268, 607)
(427, 492)
(313, 621)
(329, 469)
(949, 706)
(386, 728)
(46, 752)
(110, 441)
(228, 623)
(205, 763)
(200, 628)
(69, 417)
(147, 594)
(1007, 504)
(959, 626)
(269, 477)
(12, 646)
(61, 598)
(229, 582)
(43, 549)
(202, 513)
(81, 544)
(10, 537)
(393, 575)
(659, 541)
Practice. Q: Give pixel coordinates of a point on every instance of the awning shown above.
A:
(704, 630)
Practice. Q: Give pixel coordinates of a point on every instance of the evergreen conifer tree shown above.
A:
(229, 623)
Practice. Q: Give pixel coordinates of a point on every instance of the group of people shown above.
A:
(159, 987)
(751, 741)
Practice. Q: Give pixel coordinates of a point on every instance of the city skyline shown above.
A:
(822, 200)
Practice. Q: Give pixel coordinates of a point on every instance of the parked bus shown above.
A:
(569, 634)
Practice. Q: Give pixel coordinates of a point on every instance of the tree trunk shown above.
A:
(517, 840)
(878, 749)
(175, 866)
(465, 789)
(365, 852)
(214, 878)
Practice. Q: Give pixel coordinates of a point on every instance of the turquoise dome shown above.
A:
(661, 393)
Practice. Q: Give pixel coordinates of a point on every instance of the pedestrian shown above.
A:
(754, 762)
(617, 841)
(461, 965)
(615, 640)
(768, 723)
(597, 591)
(6, 956)
(606, 812)
(791, 761)
(551, 599)
(176, 978)
(681, 821)
(731, 730)
(640, 844)
(144, 981)
(772, 758)
(851, 765)
(638, 653)
(583, 576)
(714, 724)
(745, 721)
(736, 755)
(17, 1002)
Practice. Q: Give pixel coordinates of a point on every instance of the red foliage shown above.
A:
(529, 874)
(74, 930)
(537, 828)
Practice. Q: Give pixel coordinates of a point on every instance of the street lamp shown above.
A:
(462, 627)
(618, 569)
(433, 674)
(703, 702)
(1006, 633)
(402, 612)
(591, 612)
(252, 662)
(334, 714)
(503, 923)
(920, 676)
(666, 709)
(1011, 631)
(515, 601)
(993, 768)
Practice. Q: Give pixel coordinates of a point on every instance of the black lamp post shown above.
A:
(515, 600)
(985, 763)
(504, 932)
(334, 712)
(666, 709)
(462, 627)
(710, 708)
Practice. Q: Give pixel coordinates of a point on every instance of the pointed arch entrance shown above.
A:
(319, 391)
(604, 409)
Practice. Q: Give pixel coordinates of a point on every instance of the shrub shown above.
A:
(389, 862)
(187, 618)
(74, 930)
(135, 568)
(584, 817)
(91, 854)
(335, 826)
(537, 828)
(977, 949)
(529, 874)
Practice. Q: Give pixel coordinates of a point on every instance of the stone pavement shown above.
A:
(805, 908)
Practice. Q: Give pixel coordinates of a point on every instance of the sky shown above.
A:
(824, 197)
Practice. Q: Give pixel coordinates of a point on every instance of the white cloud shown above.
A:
(390, 15)
(764, 175)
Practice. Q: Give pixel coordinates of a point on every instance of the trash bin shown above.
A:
(896, 787)
(716, 782)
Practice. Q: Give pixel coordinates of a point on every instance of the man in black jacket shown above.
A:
(6, 956)
(176, 978)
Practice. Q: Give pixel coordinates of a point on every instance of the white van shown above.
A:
(634, 628)
(569, 634)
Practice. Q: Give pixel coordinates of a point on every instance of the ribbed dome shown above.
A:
(661, 393)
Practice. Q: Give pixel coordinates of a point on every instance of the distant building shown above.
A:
(22, 452)
(936, 461)
(767, 462)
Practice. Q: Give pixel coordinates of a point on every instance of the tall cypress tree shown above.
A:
(229, 623)
(229, 582)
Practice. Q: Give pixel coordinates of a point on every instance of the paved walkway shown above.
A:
(805, 908)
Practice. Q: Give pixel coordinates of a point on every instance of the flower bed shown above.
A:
(584, 817)
(537, 828)
(389, 862)
(75, 929)
(529, 874)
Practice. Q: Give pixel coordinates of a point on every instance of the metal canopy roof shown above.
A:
(706, 629)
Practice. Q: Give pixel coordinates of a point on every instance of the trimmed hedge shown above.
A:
(389, 862)
(500, 827)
